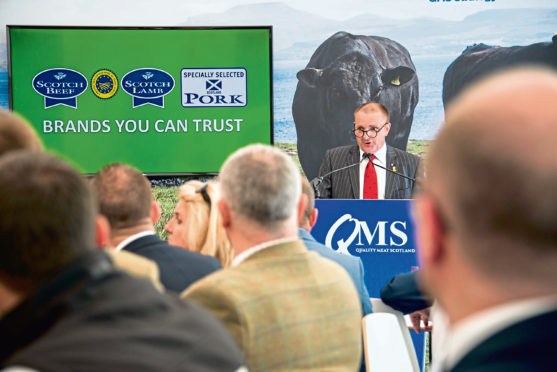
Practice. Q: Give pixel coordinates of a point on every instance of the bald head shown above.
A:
(493, 172)
(370, 107)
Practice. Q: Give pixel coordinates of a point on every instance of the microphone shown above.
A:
(367, 155)
(317, 180)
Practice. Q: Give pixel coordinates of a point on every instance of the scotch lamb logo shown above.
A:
(59, 86)
(396, 234)
(148, 86)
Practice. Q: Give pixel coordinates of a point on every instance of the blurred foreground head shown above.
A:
(47, 218)
(260, 186)
(16, 134)
(487, 216)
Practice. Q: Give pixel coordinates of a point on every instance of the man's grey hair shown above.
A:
(262, 184)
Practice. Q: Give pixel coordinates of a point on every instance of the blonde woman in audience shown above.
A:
(196, 224)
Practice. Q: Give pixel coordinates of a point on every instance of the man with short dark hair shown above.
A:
(367, 180)
(287, 308)
(352, 265)
(64, 306)
(125, 198)
(486, 224)
(17, 134)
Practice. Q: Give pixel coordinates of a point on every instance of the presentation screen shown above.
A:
(165, 100)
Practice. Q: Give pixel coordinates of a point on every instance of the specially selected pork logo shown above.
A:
(59, 86)
(147, 86)
(214, 87)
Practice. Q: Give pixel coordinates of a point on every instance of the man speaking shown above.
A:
(373, 170)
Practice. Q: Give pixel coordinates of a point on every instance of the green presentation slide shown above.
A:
(165, 100)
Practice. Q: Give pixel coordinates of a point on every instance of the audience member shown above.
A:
(125, 198)
(64, 305)
(486, 224)
(404, 293)
(288, 308)
(196, 224)
(366, 181)
(352, 265)
(17, 134)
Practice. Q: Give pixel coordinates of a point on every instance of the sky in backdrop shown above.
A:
(176, 12)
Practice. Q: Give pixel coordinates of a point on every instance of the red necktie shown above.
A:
(370, 180)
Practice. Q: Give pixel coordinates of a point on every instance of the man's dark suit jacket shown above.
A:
(178, 267)
(91, 317)
(403, 294)
(345, 184)
(529, 345)
(353, 265)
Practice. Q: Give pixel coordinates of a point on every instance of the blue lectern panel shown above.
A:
(380, 232)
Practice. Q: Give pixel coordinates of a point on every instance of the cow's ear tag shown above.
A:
(396, 81)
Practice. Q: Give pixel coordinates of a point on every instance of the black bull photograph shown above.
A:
(347, 70)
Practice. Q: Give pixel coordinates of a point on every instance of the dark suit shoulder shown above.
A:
(341, 151)
(403, 293)
(178, 267)
(525, 346)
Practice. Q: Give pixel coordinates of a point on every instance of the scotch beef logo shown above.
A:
(59, 86)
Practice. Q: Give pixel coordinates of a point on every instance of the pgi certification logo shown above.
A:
(104, 84)
(59, 86)
(214, 87)
(148, 86)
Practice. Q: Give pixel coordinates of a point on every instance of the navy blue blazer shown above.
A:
(529, 345)
(403, 294)
(178, 267)
(353, 265)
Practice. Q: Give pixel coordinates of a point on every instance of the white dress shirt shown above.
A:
(381, 159)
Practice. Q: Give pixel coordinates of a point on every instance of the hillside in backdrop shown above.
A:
(296, 33)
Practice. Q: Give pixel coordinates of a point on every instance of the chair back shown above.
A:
(387, 342)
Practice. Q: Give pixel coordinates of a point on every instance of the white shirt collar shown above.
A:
(131, 238)
(473, 330)
(380, 155)
(250, 251)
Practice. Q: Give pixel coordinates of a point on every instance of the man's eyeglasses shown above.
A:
(371, 132)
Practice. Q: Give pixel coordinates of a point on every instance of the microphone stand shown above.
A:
(368, 156)
(317, 180)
